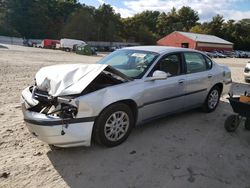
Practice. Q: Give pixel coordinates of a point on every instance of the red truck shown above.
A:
(50, 44)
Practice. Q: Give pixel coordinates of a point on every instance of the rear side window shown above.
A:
(195, 62)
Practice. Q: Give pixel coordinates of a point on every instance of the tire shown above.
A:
(108, 125)
(212, 100)
(232, 123)
(247, 124)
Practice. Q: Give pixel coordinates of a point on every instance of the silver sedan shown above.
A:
(70, 104)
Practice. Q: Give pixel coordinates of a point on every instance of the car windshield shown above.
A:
(132, 63)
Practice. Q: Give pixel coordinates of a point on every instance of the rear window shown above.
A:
(195, 62)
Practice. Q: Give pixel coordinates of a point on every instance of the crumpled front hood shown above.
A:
(61, 80)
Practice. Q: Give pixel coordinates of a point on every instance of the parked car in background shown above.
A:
(240, 54)
(237, 54)
(69, 104)
(31, 42)
(219, 54)
(114, 48)
(68, 44)
(248, 54)
(85, 50)
(247, 72)
(229, 54)
(94, 50)
(211, 54)
(38, 45)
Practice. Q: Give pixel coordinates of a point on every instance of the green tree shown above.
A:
(145, 36)
(162, 25)
(188, 17)
(228, 29)
(5, 28)
(215, 27)
(28, 17)
(242, 34)
(197, 29)
(108, 23)
(59, 12)
(81, 25)
(148, 19)
(167, 23)
(38, 18)
(139, 28)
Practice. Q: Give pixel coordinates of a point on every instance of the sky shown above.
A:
(230, 9)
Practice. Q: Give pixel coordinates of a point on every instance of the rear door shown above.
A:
(199, 75)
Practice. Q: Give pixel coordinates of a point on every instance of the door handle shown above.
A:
(181, 81)
(210, 76)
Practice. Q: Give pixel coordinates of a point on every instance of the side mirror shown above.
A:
(158, 75)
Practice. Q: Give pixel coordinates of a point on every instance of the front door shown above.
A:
(165, 96)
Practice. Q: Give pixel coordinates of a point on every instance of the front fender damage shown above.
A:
(53, 109)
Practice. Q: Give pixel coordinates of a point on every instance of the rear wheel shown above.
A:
(232, 123)
(212, 100)
(114, 125)
(247, 124)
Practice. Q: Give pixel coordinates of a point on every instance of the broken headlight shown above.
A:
(67, 111)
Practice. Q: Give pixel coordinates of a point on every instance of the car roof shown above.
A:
(159, 49)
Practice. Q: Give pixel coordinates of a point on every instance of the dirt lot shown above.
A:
(190, 149)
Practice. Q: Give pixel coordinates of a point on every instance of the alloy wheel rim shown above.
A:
(116, 126)
(213, 99)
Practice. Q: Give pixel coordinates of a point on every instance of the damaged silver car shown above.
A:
(70, 104)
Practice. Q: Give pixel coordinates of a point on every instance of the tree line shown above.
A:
(70, 19)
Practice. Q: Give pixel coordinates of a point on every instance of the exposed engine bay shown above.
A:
(52, 106)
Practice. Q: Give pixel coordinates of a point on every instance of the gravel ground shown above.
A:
(190, 149)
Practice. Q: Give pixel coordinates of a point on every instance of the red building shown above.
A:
(195, 41)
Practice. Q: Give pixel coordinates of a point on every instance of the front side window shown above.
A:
(195, 62)
(132, 63)
(170, 64)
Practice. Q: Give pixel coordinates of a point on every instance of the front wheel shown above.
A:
(232, 123)
(114, 125)
(212, 100)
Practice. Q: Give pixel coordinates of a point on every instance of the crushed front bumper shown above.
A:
(55, 130)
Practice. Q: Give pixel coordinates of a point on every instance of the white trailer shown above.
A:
(67, 44)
